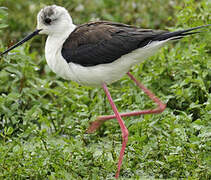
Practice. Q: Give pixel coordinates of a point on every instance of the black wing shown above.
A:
(104, 42)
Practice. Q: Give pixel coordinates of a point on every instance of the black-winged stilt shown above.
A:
(99, 53)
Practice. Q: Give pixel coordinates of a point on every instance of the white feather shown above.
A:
(111, 72)
(93, 75)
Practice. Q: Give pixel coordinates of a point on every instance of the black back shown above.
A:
(103, 42)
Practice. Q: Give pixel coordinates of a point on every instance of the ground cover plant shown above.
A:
(43, 118)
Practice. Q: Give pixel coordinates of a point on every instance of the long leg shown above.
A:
(122, 126)
(160, 108)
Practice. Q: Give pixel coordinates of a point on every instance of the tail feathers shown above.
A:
(178, 34)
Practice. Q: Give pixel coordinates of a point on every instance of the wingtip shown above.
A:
(198, 27)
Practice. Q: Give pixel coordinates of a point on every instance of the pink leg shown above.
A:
(122, 126)
(160, 108)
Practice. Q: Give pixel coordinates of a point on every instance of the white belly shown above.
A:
(99, 74)
(111, 72)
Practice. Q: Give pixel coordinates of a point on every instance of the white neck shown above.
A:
(53, 49)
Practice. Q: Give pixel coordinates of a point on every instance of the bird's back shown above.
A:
(104, 42)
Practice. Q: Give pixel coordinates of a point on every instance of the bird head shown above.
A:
(53, 19)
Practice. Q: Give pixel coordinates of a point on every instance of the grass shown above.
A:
(43, 118)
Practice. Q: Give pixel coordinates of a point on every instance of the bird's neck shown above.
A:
(53, 47)
(56, 40)
(62, 31)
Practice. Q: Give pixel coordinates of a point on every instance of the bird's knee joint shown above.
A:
(162, 107)
(125, 135)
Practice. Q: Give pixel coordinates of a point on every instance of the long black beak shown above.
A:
(36, 32)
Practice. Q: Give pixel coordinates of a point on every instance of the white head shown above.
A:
(53, 20)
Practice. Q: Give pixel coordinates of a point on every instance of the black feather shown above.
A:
(178, 34)
(104, 42)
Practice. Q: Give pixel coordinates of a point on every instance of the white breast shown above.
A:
(54, 57)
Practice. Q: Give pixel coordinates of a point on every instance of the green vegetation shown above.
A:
(43, 118)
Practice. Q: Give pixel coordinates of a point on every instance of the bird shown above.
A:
(99, 53)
